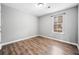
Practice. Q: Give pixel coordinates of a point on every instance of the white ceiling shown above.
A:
(30, 8)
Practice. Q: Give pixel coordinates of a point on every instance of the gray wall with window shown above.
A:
(70, 25)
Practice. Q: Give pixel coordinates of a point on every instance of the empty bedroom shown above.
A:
(39, 29)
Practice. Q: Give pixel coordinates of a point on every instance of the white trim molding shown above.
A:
(60, 40)
(0, 47)
(2, 44)
(78, 47)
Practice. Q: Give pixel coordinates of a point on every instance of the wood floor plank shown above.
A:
(39, 46)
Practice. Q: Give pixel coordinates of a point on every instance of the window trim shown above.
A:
(53, 26)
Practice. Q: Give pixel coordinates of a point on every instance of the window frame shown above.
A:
(53, 25)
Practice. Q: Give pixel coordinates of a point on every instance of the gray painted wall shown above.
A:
(0, 25)
(78, 26)
(70, 25)
(16, 24)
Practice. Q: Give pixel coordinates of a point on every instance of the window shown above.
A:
(58, 21)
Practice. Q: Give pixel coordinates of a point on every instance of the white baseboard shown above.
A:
(18, 40)
(78, 47)
(60, 40)
(0, 47)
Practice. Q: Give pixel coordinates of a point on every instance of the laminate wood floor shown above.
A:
(39, 46)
